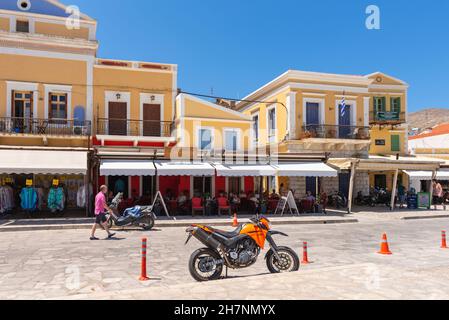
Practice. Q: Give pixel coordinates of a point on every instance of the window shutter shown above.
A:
(384, 104)
(395, 143)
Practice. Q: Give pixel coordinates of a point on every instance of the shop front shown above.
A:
(43, 183)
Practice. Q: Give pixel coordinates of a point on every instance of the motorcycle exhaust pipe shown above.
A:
(207, 239)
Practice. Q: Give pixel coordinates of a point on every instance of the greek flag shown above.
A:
(343, 107)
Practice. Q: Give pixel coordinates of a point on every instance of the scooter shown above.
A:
(142, 217)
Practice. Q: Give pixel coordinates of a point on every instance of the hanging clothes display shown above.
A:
(28, 199)
(56, 199)
(6, 199)
(81, 196)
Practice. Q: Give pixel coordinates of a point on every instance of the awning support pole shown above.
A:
(351, 187)
(393, 191)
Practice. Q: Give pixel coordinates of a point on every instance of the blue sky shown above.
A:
(232, 47)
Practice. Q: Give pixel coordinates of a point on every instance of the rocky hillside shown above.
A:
(428, 118)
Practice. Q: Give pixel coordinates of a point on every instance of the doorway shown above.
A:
(344, 121)
(151, 120)
(343, 183)
(117, 118)
(380, 181)
(22, 111)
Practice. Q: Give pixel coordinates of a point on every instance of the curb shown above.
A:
(166, 225)
(426, 217)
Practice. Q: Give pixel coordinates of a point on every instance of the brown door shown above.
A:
(151, 120)
(117, 118)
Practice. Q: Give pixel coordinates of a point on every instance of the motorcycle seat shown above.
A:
(230, 234)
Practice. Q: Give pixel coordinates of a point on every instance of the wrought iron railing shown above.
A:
(389, 116)
(139, 128)
(50, 127)
(336, 132)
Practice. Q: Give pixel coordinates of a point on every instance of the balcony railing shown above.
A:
(336, 132)
(388, 117)
(53, 127)
(139, 128)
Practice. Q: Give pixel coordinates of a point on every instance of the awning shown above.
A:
(427, 175)
(309, 169)
(243, 170)
(127, 168)
(43, 162)
(196, 169)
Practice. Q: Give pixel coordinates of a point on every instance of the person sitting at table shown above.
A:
(182, 202)
(168, 195)
(254, 203)
(274, 195)
(310, 197)
(235, 202)
(283, 191)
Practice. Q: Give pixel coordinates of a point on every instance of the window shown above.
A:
(271, 125)
(22, 26)
(202, 186)
(231, 140)
(205, 139)
(256, 128)
(395, 143)
(380, 142)
(58, 106)
(396, 105)
(379, 104)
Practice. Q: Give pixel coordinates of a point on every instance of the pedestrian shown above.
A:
(437, 194)
(100, 213)
(402, 195)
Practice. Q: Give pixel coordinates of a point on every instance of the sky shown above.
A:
(230, 48)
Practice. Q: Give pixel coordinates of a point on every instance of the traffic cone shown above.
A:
(443, 240)
(235, 222)
(384, 248)
(305, 256)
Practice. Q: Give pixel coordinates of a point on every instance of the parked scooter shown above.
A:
(362, 200)
(142, 217)
(338, 200)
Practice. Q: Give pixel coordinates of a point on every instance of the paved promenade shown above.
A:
(65, 264)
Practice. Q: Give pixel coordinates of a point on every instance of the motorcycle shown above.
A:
(362, 200)
(238, 249)
(338, 200)
(142, 217)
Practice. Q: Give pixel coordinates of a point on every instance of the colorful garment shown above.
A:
(28, 199)
(56, 199)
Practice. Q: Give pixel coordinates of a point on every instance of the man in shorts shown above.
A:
(100, 213)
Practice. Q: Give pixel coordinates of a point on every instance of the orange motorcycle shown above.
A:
(238, 249)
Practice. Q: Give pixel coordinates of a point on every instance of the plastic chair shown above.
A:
(197, 205)
(223, 204)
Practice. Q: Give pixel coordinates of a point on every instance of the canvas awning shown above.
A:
(17, 161)
(306, 169)
(127, 168)
(196, 169)
(245, 170)
(427, 175)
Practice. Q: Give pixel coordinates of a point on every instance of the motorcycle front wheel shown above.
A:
(203, 266)
(288, 262)
(147, 223)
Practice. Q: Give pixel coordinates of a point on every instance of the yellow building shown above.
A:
(345, 116)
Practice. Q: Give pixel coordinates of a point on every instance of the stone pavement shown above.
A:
(65, 264)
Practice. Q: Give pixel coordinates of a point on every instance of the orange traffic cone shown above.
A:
(384, 248)
(235, 222)
(443, 240)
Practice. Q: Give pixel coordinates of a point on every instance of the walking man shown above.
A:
(100, 213)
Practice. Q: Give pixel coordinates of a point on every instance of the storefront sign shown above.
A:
(55, 182)
(29, 182)
(8, 180)
(424, 200)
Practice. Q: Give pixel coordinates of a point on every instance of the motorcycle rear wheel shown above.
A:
(289, 261)
(196, 262)
(146, 223)
(110, 223)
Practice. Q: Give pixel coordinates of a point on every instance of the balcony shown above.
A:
(336, 132)
(384, 117)
(44, 127)
(134, 128)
